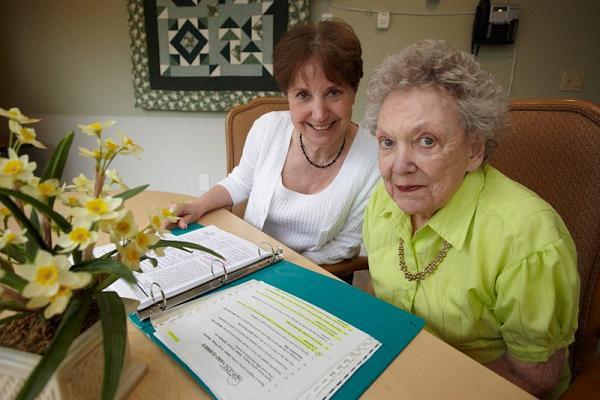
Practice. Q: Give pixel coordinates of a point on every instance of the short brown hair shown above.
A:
(332, 42)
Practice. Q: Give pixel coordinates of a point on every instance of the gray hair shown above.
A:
(480, 101)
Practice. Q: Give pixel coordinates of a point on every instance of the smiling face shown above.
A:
(424, 152)
(321, 110)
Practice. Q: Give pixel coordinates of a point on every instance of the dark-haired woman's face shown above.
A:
(321, 110)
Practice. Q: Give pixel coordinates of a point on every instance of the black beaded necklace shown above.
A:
(317, 165)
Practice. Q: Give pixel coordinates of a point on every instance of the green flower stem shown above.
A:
(99, 183)
(24, 221)
(47, 230)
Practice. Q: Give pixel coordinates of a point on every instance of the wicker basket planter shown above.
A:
(78, 377)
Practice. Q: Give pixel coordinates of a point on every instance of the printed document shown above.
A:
(179, 270)
(255, 341)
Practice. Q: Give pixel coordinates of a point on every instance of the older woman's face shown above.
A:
(321, 110)
(424, 152)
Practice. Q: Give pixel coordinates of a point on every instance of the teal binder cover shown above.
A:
(391, 326)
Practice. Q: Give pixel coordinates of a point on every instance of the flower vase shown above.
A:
(79, 376)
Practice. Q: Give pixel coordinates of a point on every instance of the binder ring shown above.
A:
(163, 305)
(264, 246)
(212, 268)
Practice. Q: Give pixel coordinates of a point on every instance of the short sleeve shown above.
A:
(537, 302)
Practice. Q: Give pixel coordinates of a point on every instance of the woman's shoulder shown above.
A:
(519, 211)
(269, 127)
(274, 118)
(364, 149)
(505, 194)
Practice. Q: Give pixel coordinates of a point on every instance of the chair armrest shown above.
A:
(586, 386)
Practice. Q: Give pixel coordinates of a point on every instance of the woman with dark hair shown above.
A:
(307, 173)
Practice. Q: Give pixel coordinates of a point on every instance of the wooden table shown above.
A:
(427, 369)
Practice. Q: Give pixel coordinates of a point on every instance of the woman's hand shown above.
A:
(538, 379)
(188, 213)
(216, 197)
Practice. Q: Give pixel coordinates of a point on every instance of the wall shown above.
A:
(67, 61)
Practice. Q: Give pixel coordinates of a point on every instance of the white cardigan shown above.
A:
(259, 170)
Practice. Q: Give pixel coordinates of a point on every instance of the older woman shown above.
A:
(487, 263)
(307, 173)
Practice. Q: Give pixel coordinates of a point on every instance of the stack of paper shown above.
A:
(257, 341)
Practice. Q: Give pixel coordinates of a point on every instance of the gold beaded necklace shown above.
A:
(431, 266)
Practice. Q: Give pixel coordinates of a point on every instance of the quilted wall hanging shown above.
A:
(206, 55)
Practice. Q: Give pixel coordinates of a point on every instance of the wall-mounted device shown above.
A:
(494, 24)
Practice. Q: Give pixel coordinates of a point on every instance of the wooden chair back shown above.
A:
(237, 125)
(552, 146)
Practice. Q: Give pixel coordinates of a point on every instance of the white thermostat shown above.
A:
(383, 20)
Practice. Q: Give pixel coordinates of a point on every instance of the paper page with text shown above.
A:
(180, 270)
(257, 341)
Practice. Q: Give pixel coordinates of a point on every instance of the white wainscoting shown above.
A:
(177, 150)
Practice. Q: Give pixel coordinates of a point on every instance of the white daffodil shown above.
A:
(143, 240)
(80, 237)
(82, 184)
(95, 154)
(15, 115)
(121, 228)
(47, 274)
(159, 251)
(114, 179)
(15, 168)
(70, 200)
(130, 256)
(129, 147)
(98, 208)
(4, 212)
(156, 223)
(42, 190)
(167, 213)
(110, 145)
(12, 237)
(95, 128)
(25, 135)
(60, 300)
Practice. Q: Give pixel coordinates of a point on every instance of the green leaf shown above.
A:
(114, 331)
(13, 280)
(32, 233)
(58, 219)
(105, 265)
(68, 329)
(184, 245)
(152, 260)
(56, 165)
(16, 253)
(109, 254)
(35, 221)
(109, 280)
(32, 246)
(12, 305)
(132, 192)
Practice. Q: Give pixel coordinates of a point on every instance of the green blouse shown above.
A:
(509, 282)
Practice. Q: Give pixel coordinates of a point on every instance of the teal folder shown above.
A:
(391, 326)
